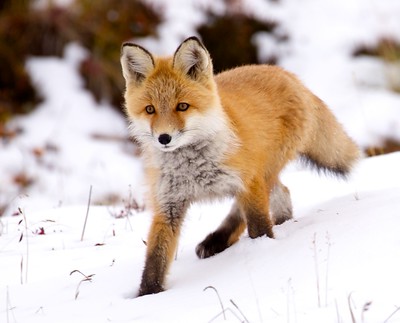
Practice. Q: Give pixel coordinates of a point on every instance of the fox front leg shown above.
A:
(161, 246)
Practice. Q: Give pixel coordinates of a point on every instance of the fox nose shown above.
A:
(164, 139)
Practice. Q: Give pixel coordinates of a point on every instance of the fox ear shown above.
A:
(137, 63)
(193, 59)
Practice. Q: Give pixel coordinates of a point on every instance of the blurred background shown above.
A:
(62, 127)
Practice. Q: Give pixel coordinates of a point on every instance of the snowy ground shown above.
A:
(344, 237)
(70, 142)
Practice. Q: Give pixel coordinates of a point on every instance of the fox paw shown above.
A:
(214, 243)
(147, 288)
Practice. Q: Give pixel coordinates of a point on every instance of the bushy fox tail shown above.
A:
(328, 147)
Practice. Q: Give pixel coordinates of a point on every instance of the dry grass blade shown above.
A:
(78, 271)
(20, 212)
(86, 278)
(87, 213)
(314, 242)
(241, 313)
(349, 300)
(219, 298)
(328, 242)
(391, 315)
(365, 308)
(9, 307)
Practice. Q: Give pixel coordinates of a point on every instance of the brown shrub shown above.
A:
(100, 26)
(228, 37)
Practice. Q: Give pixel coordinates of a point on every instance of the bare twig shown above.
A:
(130, 205)
(87, 213)
(316, 265)
(223, 313)
(1, 223)
(86, 278)
(219, 298)
(21, 270)
(328, 241)
(391, 315)
(241, 313)
(242, 319)
(27, 245)
(79, 272)
(339, 319)
(9, 307)
(365, 308)
(256, 297)
(40, 310)
(314, 242)
(349, 300)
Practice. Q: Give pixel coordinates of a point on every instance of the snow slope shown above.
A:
(70, 142)
(344, 237)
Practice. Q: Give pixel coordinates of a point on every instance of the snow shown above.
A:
(344, 237)
(64, 129)
(349, 230)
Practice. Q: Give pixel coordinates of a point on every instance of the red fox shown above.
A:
(205, 137)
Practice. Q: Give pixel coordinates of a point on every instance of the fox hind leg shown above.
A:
(254, 203)
(226, 234)
(280, 203)
(258, 220)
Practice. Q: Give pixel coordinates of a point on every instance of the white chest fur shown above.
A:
(193, 173)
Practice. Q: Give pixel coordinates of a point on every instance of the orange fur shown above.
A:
(206, 136)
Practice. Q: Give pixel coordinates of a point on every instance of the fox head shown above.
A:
(171, 102)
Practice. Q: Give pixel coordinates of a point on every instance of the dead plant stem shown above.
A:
(87, 213)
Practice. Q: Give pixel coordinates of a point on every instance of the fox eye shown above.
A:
(150, 109)
(182, 106)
